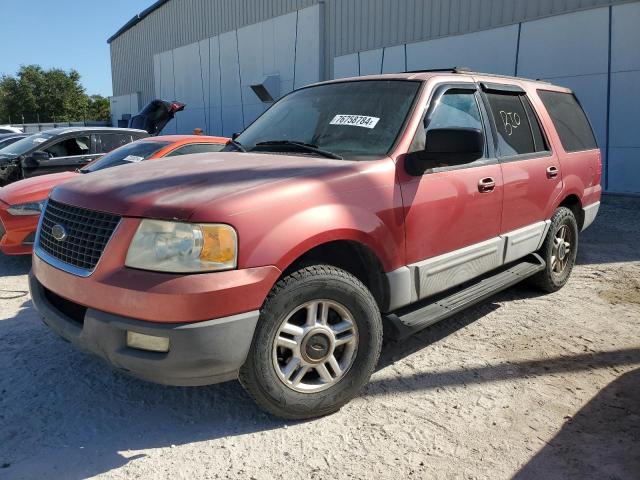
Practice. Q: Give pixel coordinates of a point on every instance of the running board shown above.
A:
(407, 321)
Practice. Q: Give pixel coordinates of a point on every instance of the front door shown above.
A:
(452, 212)
(65, 155)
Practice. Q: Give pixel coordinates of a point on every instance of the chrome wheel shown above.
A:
(315, 346)
(561, 250)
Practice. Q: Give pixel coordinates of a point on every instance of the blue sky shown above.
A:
(64, 34)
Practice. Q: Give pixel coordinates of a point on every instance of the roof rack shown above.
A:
(450, 69)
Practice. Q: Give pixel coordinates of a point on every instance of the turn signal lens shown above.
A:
(219, 244)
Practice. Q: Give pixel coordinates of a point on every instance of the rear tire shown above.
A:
(559, 251)
(316, 344)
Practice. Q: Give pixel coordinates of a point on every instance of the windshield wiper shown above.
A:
(238, 145)
(308, 147)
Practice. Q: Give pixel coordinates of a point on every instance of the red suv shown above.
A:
(393, 200)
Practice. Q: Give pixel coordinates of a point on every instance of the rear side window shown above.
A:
(196, 148)
(111, 141)
(570, 121)
(518, 130)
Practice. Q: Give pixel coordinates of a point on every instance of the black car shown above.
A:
(9, 138)
(60, 149)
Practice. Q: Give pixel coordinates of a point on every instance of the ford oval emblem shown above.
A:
(58, 232)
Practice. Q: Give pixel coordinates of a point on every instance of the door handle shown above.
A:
(486, 185)
(552, 171)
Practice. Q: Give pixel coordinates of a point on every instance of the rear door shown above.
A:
(530, 169)
(452, 212)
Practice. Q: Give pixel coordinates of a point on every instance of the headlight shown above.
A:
(31, 208)
(183, 247)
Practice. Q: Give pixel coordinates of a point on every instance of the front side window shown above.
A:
(570, 121)
(197, 148)
(353, 120)
(130, 153)
(70, 147)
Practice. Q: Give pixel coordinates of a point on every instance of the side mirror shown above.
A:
(235, 135)
(447, 147)
(33, 160)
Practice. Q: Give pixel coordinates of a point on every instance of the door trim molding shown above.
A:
(420, 280)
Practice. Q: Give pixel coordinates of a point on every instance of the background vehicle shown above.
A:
(397, 198)
(60, 149)
(9, 129)
(21, 202)
(9, 138)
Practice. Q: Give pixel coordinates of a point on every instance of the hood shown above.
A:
(33, 189)
(174, 189)
(155, 115)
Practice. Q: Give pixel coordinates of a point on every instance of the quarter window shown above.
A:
(570, 121)
(517, 127)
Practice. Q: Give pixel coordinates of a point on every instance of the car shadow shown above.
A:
(601, 441)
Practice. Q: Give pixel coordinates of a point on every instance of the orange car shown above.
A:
(21, 202)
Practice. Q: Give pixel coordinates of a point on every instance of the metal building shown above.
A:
(227, 58)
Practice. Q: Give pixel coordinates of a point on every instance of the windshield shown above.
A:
(353, 120)
(26, 144)
(130, 153)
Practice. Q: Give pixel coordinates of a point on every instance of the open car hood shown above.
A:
(155, 116)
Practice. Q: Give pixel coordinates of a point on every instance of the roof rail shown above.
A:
(450, 69)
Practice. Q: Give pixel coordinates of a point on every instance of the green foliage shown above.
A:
(36, 94)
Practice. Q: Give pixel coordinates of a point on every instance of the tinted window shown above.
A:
(539, 140)
(360, 119)
(512, 124)
(570, 121)
(112, 141)
(130, 153)
(70, 147)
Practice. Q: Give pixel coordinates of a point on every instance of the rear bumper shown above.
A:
(16, 233)
(200, 353)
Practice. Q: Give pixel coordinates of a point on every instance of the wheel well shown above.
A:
(353, 257)
(572, 202)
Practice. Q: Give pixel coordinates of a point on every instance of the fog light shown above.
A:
(147, 342)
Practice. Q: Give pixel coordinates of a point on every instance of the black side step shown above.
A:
(408, 321)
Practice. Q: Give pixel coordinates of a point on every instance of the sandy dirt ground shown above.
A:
(525, 386)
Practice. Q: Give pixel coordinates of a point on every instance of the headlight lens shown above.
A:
(183, 247)
(31, 208)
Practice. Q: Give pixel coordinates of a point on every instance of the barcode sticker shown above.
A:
(355, 121)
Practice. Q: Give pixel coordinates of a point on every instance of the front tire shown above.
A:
(316, 344)
(559, 251)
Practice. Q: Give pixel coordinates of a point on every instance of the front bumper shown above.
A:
(200, 353)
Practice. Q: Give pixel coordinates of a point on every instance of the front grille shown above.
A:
(87, 233)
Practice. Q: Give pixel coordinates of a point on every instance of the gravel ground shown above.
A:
(524, 386)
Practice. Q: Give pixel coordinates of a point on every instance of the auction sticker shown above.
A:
(355, 121)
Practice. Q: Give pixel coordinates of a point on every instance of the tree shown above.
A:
(36, 94)
(98, 108)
